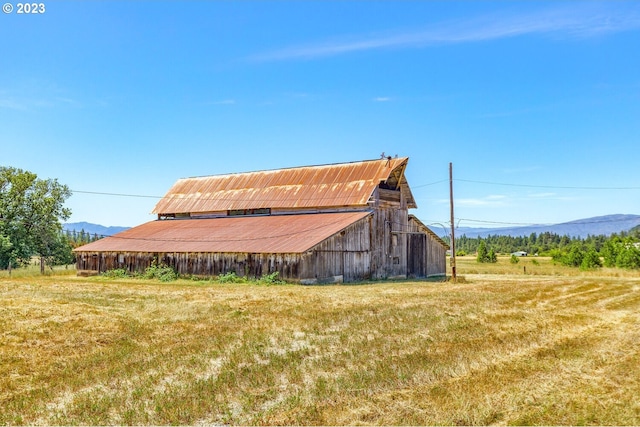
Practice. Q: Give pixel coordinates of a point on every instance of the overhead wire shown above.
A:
(501, 223)
(431, 223)
(117, 194)
(558, 187)
(550, 187)
(248, 239)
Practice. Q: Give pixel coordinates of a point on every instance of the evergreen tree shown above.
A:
(482, 252)
(628, 257)
(574, 257)
(610, 252)
(591, 260)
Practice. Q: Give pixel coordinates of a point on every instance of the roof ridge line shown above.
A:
(296, 167)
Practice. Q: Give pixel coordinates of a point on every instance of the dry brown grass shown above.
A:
(496, 349)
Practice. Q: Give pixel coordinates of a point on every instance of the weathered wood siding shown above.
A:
(346, 254)
(389, 247)
(417, 255)
(427, 255)
(436, 258)
(195, 263)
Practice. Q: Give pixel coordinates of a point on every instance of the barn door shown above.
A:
(417, 255)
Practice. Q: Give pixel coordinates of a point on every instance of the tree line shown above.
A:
(78, 238)
(617, 250)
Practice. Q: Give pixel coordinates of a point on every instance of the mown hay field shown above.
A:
(497, 347)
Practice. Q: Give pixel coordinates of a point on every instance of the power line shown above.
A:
(178, 240)
(117, 194)
(431, 183)
(226, 240)
(549, 187)
(500, 223)
(552, 187)
(525, 224)
(224, 195)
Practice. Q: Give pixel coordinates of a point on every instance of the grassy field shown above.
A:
(554, 346)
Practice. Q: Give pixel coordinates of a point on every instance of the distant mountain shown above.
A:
(595, 226)
(92, 229)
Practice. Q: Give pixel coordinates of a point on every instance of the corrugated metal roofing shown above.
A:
(250, 234)
(336, 185)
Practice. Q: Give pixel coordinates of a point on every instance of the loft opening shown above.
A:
(241, 212)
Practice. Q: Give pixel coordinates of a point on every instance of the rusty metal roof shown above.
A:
(335, 185)
(244, 234)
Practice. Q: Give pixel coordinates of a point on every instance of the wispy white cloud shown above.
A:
(576, 20)
(24, 104)
(494, 200)
(472, 202)
(542, 195)
(501, 200)
(551, 196)
(69, 101)
(31, 95)
(223, 102)
(382, 99)
(298, 95)
(12, 104)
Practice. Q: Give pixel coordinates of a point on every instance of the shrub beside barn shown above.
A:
(315, 224)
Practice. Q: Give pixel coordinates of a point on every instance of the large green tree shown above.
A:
(31, 212)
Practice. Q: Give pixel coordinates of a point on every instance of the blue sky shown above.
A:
(536, 104)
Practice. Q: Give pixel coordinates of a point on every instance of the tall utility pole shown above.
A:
(453, 236)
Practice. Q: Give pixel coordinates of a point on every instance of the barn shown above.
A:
(341, 222)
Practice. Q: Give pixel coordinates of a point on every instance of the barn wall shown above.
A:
(201, 264)
(344, 256)
(389, 248)
(242, 264)
(371, 248)
(436, 258)
(427, 256)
